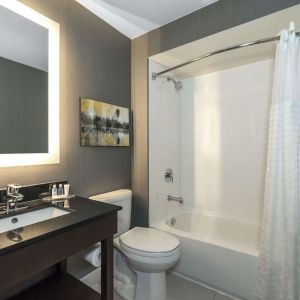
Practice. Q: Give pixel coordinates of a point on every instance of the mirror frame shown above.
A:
(53, 155)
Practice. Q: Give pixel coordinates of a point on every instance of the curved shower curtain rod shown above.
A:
(234, 47)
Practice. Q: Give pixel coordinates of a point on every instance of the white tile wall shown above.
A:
(164, 145)
(213, 133)
(224, 124)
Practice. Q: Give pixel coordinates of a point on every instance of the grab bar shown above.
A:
(171, 198)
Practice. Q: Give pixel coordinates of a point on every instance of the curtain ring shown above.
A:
(292, 27)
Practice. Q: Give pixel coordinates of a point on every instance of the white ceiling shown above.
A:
(136, 17)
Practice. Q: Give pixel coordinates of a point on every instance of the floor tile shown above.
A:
(97, 288)
(222, 297)
(96, 276)
(177, 288)
(172, 282)
(188, 290)
(87, 281)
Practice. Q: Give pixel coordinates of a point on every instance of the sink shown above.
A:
(29, 218)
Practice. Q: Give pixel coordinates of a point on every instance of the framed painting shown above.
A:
(103, 124)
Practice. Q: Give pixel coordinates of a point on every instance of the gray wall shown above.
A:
(219, 16)
(95, 62)
(24, 104)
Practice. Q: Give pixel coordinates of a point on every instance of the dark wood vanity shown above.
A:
(47, 245)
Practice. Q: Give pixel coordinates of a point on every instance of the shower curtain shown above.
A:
(279, 260)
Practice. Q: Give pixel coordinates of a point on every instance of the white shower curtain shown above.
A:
(279, 261)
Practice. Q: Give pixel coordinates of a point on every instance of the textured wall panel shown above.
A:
(95, 62)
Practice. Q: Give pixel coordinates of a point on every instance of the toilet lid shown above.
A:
(149, 240)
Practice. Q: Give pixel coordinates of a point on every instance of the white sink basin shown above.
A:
(29, 218)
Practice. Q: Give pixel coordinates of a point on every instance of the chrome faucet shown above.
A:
(178, 199)
(172, 198)
(13, 197)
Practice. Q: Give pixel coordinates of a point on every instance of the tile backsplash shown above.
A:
(33, 192)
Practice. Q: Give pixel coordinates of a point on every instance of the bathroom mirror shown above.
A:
(29, 86)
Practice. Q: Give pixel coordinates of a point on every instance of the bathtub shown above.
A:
(220, 252)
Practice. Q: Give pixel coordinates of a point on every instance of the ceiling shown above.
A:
(136, 17)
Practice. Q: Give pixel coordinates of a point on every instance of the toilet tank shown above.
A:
(121, 198)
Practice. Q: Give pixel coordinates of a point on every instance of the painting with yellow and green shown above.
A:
(103, 124)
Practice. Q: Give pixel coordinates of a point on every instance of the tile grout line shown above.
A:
(230, 297)
(182, 281)
(175, 288)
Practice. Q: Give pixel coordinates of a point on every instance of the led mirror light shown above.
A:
(52, 157)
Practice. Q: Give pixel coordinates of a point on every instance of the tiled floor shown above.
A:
(177, 288)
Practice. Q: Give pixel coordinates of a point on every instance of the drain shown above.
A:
(173, 221)
(14, 220)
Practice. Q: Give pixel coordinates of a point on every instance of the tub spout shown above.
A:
(172, 198)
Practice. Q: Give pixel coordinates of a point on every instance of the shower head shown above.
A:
(178, 83)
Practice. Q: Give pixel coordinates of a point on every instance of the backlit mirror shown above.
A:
(29, 86)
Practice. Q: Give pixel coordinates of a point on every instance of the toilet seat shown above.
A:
(148, 254)
(149, 242)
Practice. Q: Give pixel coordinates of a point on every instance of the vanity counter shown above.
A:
(51, 242)
(81, 210)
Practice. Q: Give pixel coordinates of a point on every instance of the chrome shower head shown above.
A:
(178, 84)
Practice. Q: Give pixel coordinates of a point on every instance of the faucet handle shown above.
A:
(13, 189)
(169, 175)
(14, 185)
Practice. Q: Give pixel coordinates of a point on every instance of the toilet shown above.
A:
(149, 252)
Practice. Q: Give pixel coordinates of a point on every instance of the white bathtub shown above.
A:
(220, 252)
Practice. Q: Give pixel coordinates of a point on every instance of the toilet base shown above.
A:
(151, 286)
